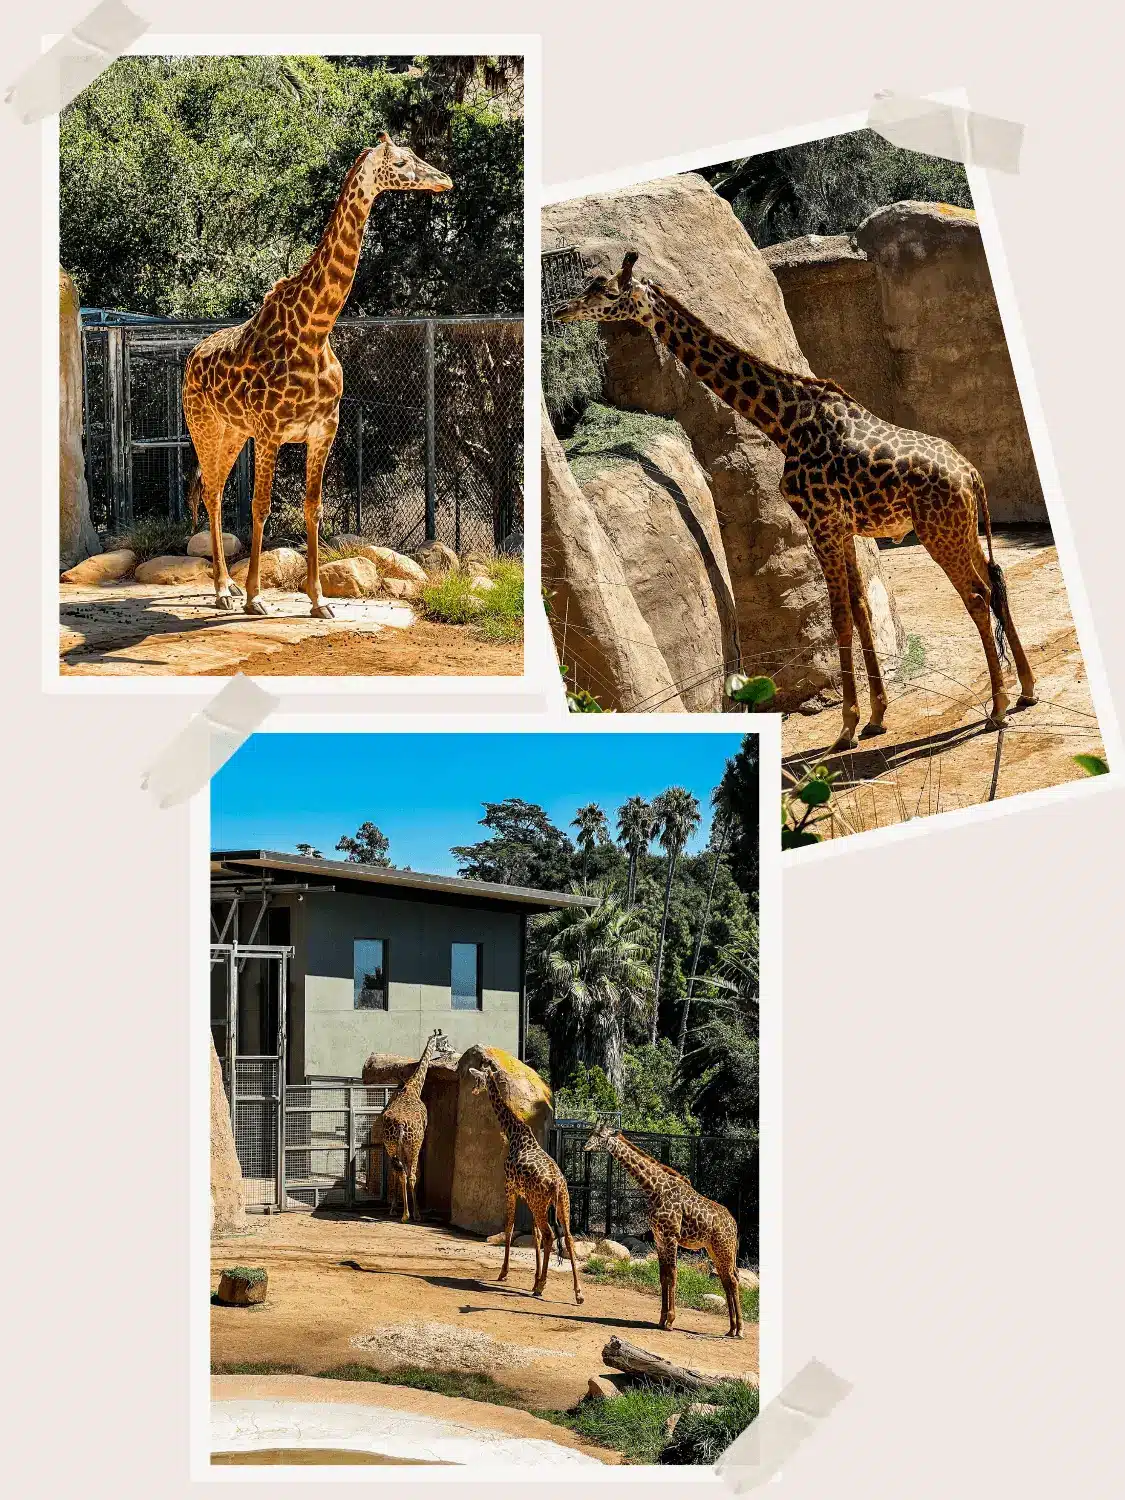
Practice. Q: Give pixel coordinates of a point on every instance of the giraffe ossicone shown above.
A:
(847, 473)
(275, 378)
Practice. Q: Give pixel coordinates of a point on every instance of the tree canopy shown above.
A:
(189, 185)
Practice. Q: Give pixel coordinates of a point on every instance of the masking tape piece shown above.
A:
(52, 81)
(947, 130)
(208, 741)
(776, 1433)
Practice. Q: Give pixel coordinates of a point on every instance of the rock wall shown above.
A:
(77, 537)
(228, 1197)
(481, 1146)
(691, 243)
(904, 316)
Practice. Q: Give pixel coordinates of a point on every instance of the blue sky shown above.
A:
(425, 791)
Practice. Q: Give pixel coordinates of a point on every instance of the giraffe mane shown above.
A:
(664, 1167)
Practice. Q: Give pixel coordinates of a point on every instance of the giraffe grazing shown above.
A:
(678, 1215)
(401, 1128)
(530, 1174)
(276, 379)
(847, 474)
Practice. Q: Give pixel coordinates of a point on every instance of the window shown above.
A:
(370, 974)
(464, 976)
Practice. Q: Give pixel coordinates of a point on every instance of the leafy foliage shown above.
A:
(189, 185)
(496, 614)
(606, 437)
(645, 1099)
(1093, 765)
(804, 806)
(573, 369)
(830, 186)
(369, 846)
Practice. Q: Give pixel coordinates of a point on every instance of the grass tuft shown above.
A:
(469, 1386)
(606, 438)
(153, 536)
(256, 1367)
(497, 614)
(636, 1422)
(694, 1280)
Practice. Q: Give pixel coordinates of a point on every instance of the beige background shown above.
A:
(954, 1034)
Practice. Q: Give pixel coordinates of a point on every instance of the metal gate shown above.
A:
(250, 1011)
(327, 1161)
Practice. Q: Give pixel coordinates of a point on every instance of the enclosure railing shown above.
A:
(326, 1151)
(430, 443)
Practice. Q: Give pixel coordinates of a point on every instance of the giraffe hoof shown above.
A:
(255, 607)
(224, 602)
(869, 731)
(845, 742)
(995, 721)
(323, 612)
(1027, 700)
(579, 1301)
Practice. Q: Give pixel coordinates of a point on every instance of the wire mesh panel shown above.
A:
(430, 441)
(256, 1103)
(562, 276)
(326, 1130)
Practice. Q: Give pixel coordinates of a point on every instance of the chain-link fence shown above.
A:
(562, 275)
(430, 443)
(606, 1201)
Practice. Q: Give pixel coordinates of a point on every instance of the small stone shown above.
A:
(279, 568)
(200, 545)
(482, 585)
(601, 1389)
(670, 1424)
(436, 558)
(702, 1409)
(243, 1286)
(495, 1239)
(392, 564)
(350, 578)
(713, 1302)
(611, 1250)
(402, 588)
(104, 568)
(173, 570)
(747, 1277)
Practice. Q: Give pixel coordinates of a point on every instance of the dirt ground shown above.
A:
(938, 754)
(333, 1279)
(130, 629)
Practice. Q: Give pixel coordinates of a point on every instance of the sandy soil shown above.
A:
(130, 629)
(938, 754)
(335, 1279)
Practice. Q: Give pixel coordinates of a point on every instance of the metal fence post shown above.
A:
(608, 1195)
(117, 432)
(431, 437)
(282, 1035)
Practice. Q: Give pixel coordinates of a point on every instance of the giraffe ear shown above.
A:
(625, 277)
(384, 139)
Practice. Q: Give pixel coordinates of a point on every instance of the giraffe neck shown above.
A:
(510, 1122)
(768, 396)
(412, 1088)
(325, 280)
(639, 1166)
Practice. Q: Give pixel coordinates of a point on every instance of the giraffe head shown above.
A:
(480, 1076)
(438, 1044)
(602, 1137)
(388, 168)
(609, 299)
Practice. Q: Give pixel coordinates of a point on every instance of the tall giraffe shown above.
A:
(678, 1215)
(401, 1128)
(531, 1174)
(847, 474)
(276, 379)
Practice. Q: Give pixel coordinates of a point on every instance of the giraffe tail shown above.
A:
(195, 496)
(997, 588)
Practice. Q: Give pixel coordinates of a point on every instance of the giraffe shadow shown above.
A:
(862, 764)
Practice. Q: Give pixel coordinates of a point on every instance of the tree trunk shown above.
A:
(631, 886)
(699, 937)
(634, 1360)
(673, 859)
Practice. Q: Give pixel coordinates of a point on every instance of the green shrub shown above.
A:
(701, 1437)
(694, 1280)
(573, 366)
(635, 1423)
(497, 614)
(155, 536)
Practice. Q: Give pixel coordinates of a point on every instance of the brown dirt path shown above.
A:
(938, 755)
(332, 1279)
(427, 649)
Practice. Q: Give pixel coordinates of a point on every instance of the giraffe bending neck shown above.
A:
(769, 397)
(412, 1088)
(643, 1168)
(510, 1122)
(326, 278)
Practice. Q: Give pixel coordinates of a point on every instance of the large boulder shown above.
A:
(77, 537)
(603, 640)
(175, 570)
(691, 243)
(658, 513)
(279, 568)
(228, 1196)
(481, 1146)
(392, 564)
(953, 372)
(106, 567)
(200, 545)
(350, 578)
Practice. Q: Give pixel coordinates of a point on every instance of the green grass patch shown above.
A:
(470, 1387)
(693, 1281)
(636, 1422)
(154, 536)
(496, 614)
(913, 660)
(257, 1367)
(249, 1275)
(606, 438)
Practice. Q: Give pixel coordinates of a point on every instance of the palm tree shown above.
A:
(677, 813)
(723, 803)
(589, 967)
(636, 824)
(592, 830)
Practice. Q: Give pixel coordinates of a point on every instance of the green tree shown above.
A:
(368, 846)
(740, 796)
(310, 851)
(592, 831)
(723, 805)
(677, 814)
(636, 826)
(524, 848)
(592, 981)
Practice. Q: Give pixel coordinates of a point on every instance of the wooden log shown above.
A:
(634, 1360)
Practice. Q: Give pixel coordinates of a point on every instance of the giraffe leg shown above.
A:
(723, 1259)
(509, 1223)
(562, 1213)
(317, 450)
(861, 614)
(832, 558)
(265, 461)
(957, 553)
(217, 448)
(1002, 606)
(543, 1236)
(407, 1170)
(666, 1254)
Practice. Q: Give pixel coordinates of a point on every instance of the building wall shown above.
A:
(336, 1038)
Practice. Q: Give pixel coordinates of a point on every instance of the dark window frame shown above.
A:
(479, 1001)
(384, 946)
